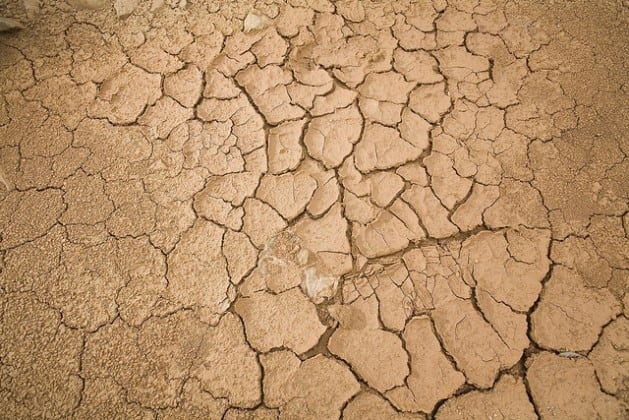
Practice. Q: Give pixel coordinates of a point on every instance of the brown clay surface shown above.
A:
(313, 209)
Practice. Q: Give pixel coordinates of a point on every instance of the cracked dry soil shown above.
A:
(314, 209)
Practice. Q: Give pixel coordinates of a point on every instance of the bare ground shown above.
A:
(314, 209)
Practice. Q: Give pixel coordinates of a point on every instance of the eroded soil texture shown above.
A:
(314, 209)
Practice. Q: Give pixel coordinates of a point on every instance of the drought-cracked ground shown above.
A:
(314, 209)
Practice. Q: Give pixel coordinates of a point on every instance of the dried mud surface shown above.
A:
(314, 209)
